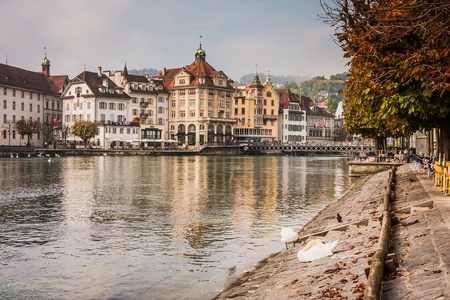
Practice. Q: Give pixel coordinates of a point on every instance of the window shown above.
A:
(265, 112)
(39, 97)
(150, 101)
(114, 130)
(192, 113)
(243, 100)
(78, 91)
(121, 130)
(89, 105)
(121, 118)
(236, 111)
(202, 113)
(161, 99)
(31, 107)
(161, 121)
(67, 106)
(161, 110)
(273, 103)
(182, 103)
(210, 102)
(121, 106)
(112, 106)
(191, 92)
(182, 92)
(57, 106)
(14, 93)
(67, 118)
(243, 111)
(31, 95)
(102, 105)
(46, 104)
(181, 81)
(23, 94)
(4, 91)
(102, 117)
(128, 130)
(172, 114)
(135, 112)
(134, 100)
(53, 105)
(191, 102)
(4, 118)
(202, 102)
(172, 103)
(88, 117)
(22, 106)
(182, 114)
(265, 102)
(4, 104)
(220, 82)
(202, 92)
(14, 118)
(150, 113)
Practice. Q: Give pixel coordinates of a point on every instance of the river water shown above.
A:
(151, 227)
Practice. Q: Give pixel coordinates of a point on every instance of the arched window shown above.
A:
(181, 128)
(191, 128)
(269, 94)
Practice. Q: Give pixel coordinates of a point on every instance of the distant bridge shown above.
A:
(305, 148)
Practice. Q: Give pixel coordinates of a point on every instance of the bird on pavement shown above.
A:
(288, 235)
(339, 218)
(316, 249)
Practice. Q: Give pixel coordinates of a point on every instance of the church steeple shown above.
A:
(125, 70)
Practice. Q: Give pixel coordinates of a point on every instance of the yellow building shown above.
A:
(200, 103)
(256, 112)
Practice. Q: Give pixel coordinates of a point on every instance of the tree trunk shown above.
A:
(445, 138)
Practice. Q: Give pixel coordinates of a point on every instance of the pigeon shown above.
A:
(339, 218)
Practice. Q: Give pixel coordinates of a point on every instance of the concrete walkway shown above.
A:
(422, 248)
(421, 240)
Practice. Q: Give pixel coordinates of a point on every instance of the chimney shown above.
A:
(163, 71)
(99, 71)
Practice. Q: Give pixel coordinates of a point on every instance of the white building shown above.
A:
(94, 97)
(148, 105)
(27, 95)
(291, 118)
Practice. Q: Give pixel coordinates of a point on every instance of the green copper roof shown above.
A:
(45, 61)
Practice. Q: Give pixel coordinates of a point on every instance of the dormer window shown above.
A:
(181, 81)
(111, 91)
(201, 79)
(78, 91)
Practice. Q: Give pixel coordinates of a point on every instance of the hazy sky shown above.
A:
(285, 37)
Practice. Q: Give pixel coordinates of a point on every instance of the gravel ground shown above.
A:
(420, 241)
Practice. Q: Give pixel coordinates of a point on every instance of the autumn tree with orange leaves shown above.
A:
(399, 53)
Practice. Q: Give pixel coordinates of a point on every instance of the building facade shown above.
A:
(26, 95)
(94, 97)
(320, 123)
(256, 113)
(148, 105)
(200, 103)
(291, 118)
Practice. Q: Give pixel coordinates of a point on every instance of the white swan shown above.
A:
(288, 236)
(316, 249)
(57, 155)
(49, 159)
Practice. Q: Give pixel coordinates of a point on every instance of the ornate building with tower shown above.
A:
(200, 103)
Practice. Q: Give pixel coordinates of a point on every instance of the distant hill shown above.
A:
(150, 71)
(276, 79)
(320, 88)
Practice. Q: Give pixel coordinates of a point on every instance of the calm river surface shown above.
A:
(151, 227)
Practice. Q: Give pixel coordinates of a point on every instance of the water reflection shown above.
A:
(165, 227)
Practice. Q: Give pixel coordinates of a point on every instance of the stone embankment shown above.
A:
(420, 240)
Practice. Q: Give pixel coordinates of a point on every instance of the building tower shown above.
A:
(46, 66)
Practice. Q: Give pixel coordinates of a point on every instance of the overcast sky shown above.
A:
(285, 37)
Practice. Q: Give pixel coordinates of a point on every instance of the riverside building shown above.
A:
(148, 105)
(256, 112)
(200, 103)
(28, 95)
(94, 97)
(291, 118)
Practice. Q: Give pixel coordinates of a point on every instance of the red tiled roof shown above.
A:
(24, 79)
(196, 69)
(285, 96)
(57, 82)
(94, 81)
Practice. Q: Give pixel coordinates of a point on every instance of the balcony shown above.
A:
(270, 117)
(217, 119)
(143, 104)
(143, 115)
